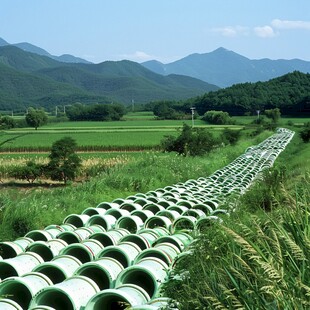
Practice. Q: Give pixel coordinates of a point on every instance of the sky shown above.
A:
(165, 30)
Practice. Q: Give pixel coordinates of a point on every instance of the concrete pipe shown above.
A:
(205, 208)
(148, 273)
(78, 220)
(180, 240)
(54, 230)
(85, 251)
(125, 253)
(60, 268)
(47, 249)
(84, 232)
(197, 213)
(170, 214)
(37, 235)
(130, 222)
(143, 214)
(23, 242)
(157, 253)
(153, 207)
(179, 209)
(117, 213)
(105, 238)
(106, 221)
(170, 249)
(9, 249)
(120, 298)
(67, 227)
(149, 235)
(206, 222)
(69, 237)
(8, 304)
(130, 206)
(107, 205)
(94, 211)
(71, 294)
(184, 222)
(103, 271)
(156, 220)
(22, 289)
(141, 201)
(19, 265)
(42, 308)
(137, 239)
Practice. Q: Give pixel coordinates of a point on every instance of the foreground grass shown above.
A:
(24, 209)
(259, 257)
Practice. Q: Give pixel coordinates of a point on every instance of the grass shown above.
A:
(257, 258)
(38, 207)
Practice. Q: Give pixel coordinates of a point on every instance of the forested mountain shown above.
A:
(31, 79)
(225, 68)
(290, 93)
(25, 46)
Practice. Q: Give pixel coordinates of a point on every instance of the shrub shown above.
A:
(305, 133)
(230, 136)
(217, 118)
(273, 114)
(191, 142)
(30, 172)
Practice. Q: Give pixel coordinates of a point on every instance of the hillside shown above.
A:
(121, 81)
(225, 68)
(19, 90)
(290, 93)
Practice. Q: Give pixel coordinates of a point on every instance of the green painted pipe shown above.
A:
(47, 249)
(180, 240)
(106, 221)
(128, 295)
(37, 235)
(148, 273)
(130, 222)
(107, 205)
(60, 268)
(117, 213)
(153, 207)
(71, 294)
(137, 239)
(184, 222)
(157, 220)
(22, 289)
(78, 220)
(124, 252)
(102, 271)
(19, 265)
(130, 206)
(143, 214)
(8, 304)
(9, 249)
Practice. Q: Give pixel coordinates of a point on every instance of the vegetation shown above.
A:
(64, 162)
(190, 142)
(258, 258)
(96, 112)
(289, 93)
(36, 118)
(273, 114)
(305, 133)
(217, 118)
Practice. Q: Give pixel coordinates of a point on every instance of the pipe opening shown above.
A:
(37, 236)
(69, 237)
(136, 239)
(98, 220)
(79, 252)
(118, 255)
(141, 278)
(103, 238)
(42, 250)
(6, 270)
(155, 222)
(7, 251)
(98, 275)
(154, 253)
(114, 302)
(55, 274)
(128, 223)
(74, 220)
(17, 292)
(55, 299)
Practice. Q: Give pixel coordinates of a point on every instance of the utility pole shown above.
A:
(193, 112)
(56, 111)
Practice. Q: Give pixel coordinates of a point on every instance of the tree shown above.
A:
(30, 172)
(64, 162)
(190, 142)
(273, 114)
(305, 133)
(217, 118)
(36, 118)
(6, 122)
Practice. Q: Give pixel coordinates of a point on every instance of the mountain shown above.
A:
(31, 79)
(225, 68)
(40, 51)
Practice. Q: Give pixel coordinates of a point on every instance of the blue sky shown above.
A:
(166, 30)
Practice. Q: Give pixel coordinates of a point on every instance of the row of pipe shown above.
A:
(118, 253)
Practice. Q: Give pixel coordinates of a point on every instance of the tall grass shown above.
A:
(148, 171)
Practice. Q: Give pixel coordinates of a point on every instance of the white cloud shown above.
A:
(290, 24)
(138, 56)
(231, 31)
(264, 32)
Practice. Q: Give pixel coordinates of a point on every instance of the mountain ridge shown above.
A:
(225, 68)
